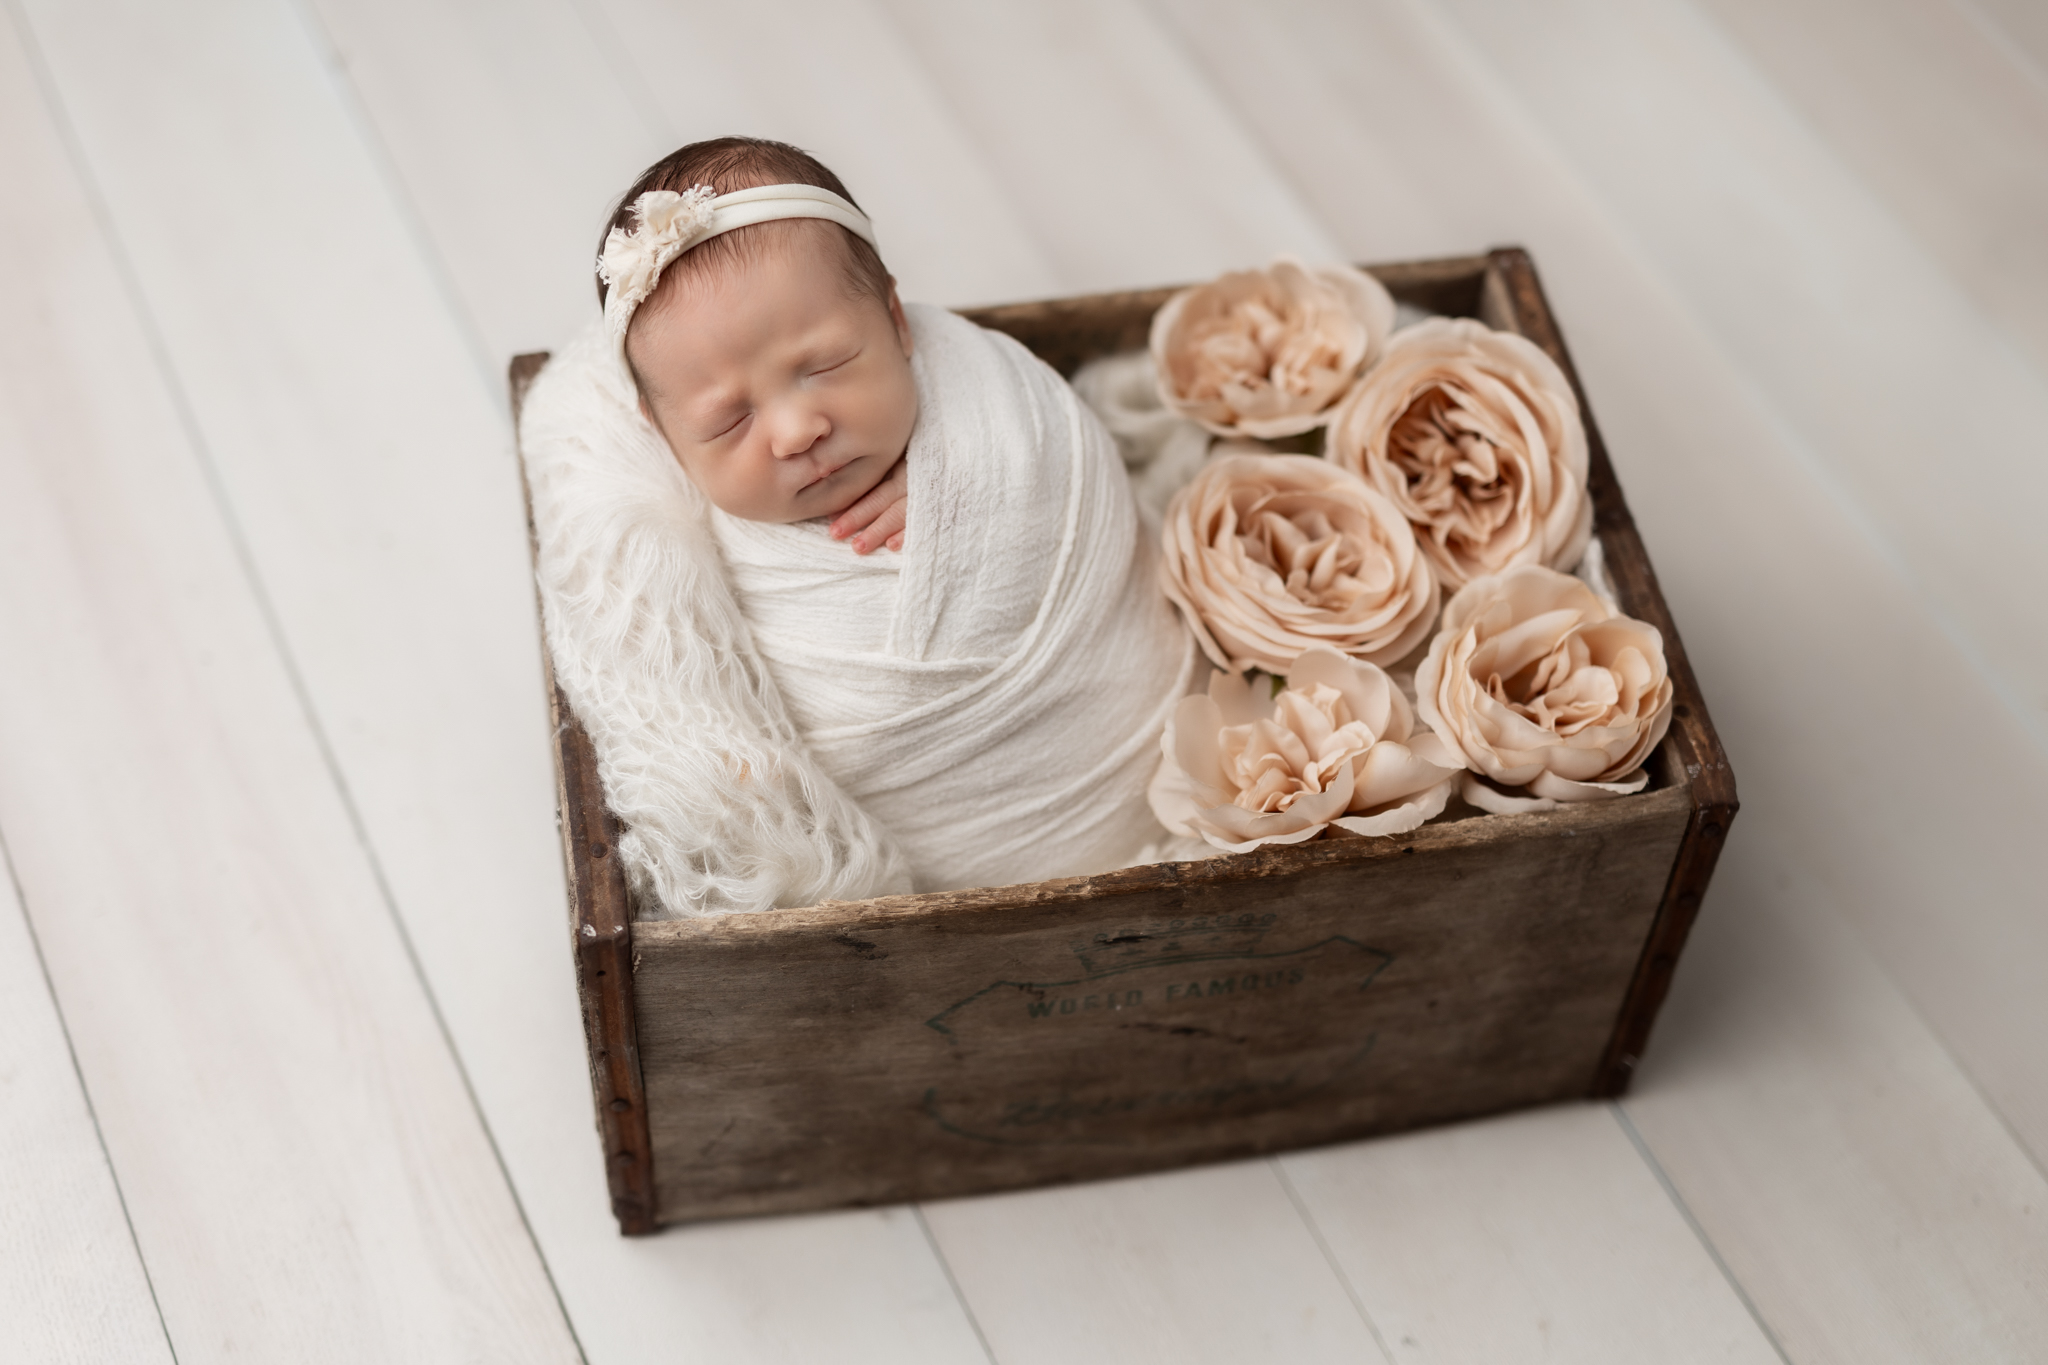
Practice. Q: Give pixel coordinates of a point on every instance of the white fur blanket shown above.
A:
(779, 722)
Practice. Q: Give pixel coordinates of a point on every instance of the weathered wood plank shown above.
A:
(600, 927)
(1067, 332)
(930, 1045)
(1528, 1239)
(1121, 159)
(72, 1284)
(1849, 1174)
(1513, 290)
(1201, 1267)
(307, 1175)
(1936, 112)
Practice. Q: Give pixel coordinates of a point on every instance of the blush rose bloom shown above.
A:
(1268, 555)
(1339, 746)
(1543, 686)
(1269, 353)
(1475, 435)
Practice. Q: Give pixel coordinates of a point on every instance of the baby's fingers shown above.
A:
(886, 529)
(891, 490)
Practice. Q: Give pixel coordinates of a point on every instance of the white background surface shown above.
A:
(290, 1067)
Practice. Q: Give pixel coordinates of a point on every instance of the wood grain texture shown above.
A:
(600, 928)
(1204, 1265)
(72, 1284)
(307, 1176)
(1523, 1240)
(843, 79)
(2021, 27)
(1850, 1176)
(1108, 143)
(507, 113)
(1943, 120)
(931, 1045)
(1066, 333)
(1694, 748)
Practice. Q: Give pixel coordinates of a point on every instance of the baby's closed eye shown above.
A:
(723, 425)
(834, 364)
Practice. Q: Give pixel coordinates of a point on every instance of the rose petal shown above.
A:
(1405, 817)
(1489, 798)
(1561, 789)
(1394, 772)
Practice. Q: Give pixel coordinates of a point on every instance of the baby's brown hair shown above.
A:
(739, 163)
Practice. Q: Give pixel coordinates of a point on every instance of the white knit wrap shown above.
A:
(984, 709)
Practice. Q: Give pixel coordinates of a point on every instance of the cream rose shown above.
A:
(1268, 555)
(1339, 746)
(1475, 435)
(1269, 353)
(1544, 686)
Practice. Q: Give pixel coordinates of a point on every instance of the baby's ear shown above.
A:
(896, 316)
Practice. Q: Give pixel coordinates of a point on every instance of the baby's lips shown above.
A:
(826, 475)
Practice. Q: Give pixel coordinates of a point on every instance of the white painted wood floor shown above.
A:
(290, 1068)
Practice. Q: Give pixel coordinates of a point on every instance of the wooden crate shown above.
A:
(914, 1047)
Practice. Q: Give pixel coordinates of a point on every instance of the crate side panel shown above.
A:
(1067, 333)
(848, 1057)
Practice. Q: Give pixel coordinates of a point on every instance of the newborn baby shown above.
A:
(775, 361)
(781, 717)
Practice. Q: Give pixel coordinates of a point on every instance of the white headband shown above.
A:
(671, 223)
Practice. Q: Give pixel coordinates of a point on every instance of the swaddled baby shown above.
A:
(782, 717)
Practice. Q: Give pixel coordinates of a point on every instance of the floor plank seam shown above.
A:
(1330, 1257)
(959, 1295)
(1873, 198)
(84, 1090)
(489, 368)
(196, 440)
(1706, 1243)
(2036, 1161)
(1949, 1052)
(2001, 38)
(1028, 225)
(617, 55)
(1282, 168)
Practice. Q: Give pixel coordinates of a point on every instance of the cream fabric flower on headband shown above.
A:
(669, 225)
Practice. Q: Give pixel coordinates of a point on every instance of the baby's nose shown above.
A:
(797, 430)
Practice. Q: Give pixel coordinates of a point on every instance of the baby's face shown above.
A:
(784, 395)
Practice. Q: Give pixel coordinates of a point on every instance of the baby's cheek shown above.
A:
(902, 416)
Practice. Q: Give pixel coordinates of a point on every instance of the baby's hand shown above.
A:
(879, 516)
